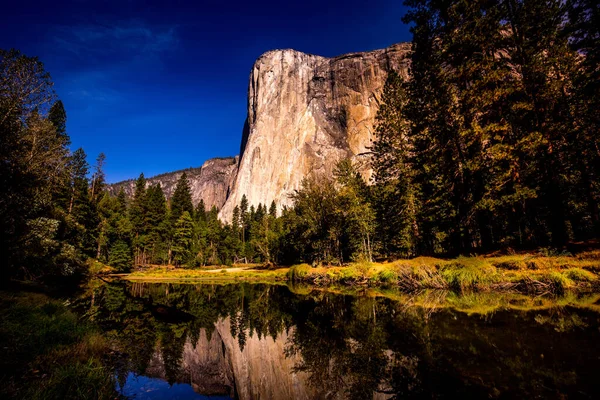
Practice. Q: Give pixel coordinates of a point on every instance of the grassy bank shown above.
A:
(526, 273)
(216, 274)
(46, 352)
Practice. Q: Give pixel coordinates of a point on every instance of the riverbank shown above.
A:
(48, 352)
(526, 273)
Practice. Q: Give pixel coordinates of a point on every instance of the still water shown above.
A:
(256, 341)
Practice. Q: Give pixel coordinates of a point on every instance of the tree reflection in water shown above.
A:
(348, 346)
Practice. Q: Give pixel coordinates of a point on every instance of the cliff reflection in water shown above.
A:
(252, 341)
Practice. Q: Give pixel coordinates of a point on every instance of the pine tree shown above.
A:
(543, 116)
(78, 168)
(355, 211)
(394, 199)
(235, 219)
(244, 219)
(314, 226)
(122, 201)
(137, 216)
(58, 117)
(199, 241)
(154, 219)
(200, 212)
(583, 30)
(213, 236)
(182, 198)
(183, 235)
(493, 124)
(98, 177)
(433, 141)
(120, 256)
(83, 233)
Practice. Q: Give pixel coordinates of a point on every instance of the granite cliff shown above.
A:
(216, 365)
(306, 112)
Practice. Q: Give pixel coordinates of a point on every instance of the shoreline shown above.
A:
(525, 273)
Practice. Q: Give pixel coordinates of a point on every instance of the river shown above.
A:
(259, 341)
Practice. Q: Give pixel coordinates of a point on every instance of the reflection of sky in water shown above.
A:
(141, 387)
(271, 342)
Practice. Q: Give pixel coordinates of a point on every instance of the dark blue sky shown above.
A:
(161, 85)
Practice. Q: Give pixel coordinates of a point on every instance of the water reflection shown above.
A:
(253, 341)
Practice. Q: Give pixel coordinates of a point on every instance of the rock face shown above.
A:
(305, 113)
(219, 367)
(261, 370)
(212, 182)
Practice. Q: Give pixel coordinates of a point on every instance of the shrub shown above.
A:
(512, 263)
(414, 277)
(548, 252)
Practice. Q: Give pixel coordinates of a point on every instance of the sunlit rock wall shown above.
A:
(306, 112)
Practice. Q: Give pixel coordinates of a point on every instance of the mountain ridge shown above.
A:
(210, 182)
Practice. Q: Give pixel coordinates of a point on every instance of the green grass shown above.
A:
(46, 352)
(165, 274)
(387, 276)
(537, 272)
(79, 380)
(469, 272)
(469, 302)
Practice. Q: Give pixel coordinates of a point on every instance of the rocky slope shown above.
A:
(211, 182)
(306, 112)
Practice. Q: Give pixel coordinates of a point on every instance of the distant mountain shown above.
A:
(210, 182)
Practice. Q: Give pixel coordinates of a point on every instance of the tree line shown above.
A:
(148, 229)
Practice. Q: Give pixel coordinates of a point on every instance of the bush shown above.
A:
(512, 263)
